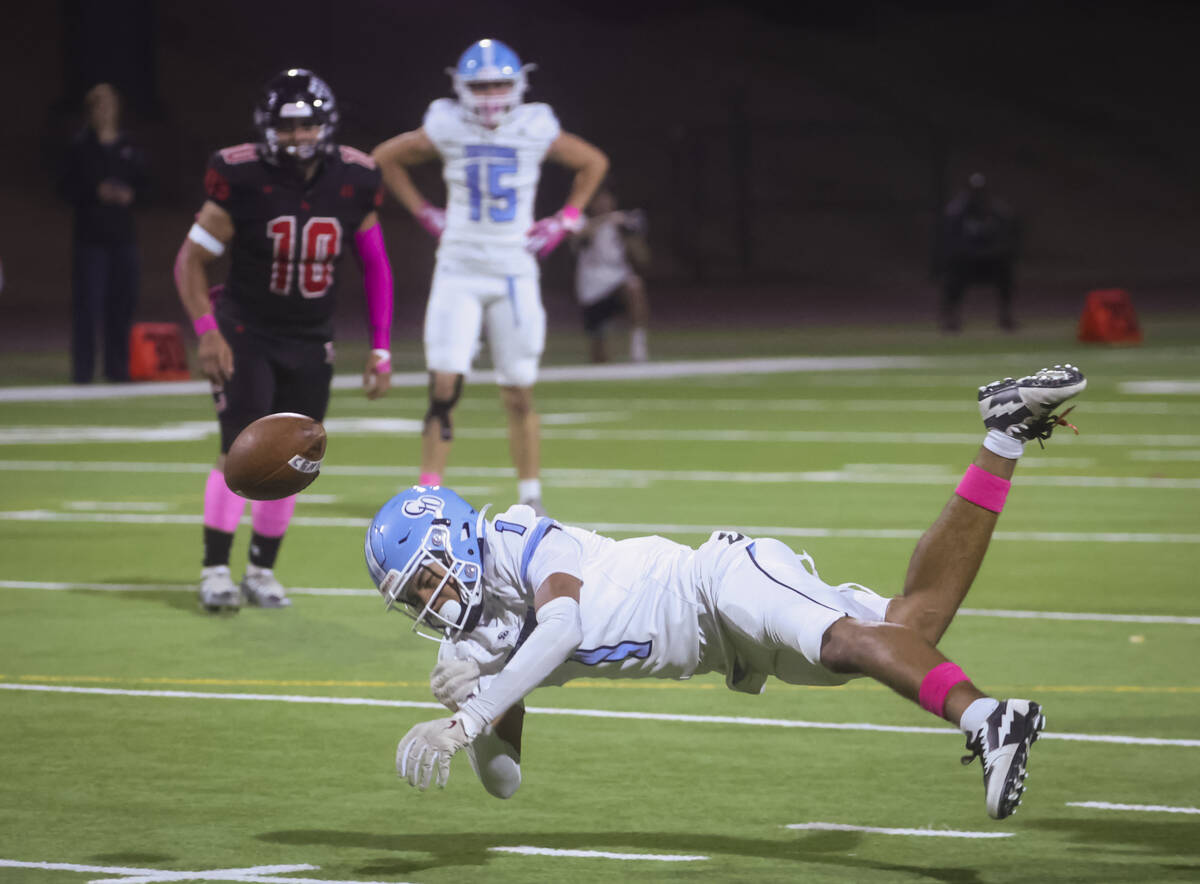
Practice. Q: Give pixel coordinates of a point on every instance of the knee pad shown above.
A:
(440, 408)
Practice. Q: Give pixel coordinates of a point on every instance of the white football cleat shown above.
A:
(262, 589)
(217, 590)
(1003, 743)
(1021, 407)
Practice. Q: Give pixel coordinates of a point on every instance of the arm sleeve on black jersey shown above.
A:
(220, 184)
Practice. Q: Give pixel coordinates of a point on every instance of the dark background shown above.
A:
(792, 163)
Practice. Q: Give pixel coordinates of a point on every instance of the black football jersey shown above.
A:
(289, 235)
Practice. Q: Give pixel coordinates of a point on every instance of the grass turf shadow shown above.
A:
(473, 849)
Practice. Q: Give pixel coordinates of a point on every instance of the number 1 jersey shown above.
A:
(491, 181)
(289, 235)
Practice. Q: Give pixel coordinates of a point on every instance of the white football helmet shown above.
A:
(491, 63)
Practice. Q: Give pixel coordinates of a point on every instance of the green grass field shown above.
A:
(140, 735)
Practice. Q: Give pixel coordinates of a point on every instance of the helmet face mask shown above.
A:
(433, 530)
(489, 81)
(296, 118)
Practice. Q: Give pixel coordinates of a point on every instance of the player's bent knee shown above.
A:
(839, 646)
(852, 646)
(928, 620)
(440, 406)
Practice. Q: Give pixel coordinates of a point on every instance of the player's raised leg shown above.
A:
(1000, 732)
(948, 555)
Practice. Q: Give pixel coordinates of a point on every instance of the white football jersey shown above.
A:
(641, 612)
(491, 180)
(602, 264)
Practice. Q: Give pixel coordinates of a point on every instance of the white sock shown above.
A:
(977, 713)
(639, 350)
(1005, 446)
(529, 489)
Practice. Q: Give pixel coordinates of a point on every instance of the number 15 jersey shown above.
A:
(491, 181)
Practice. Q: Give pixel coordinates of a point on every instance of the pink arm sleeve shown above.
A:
(377, 280)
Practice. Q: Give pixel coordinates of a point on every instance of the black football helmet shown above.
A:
(290, 98)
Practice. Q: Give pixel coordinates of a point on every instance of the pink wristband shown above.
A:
(204, 324)
(983, 489)
(936, 685)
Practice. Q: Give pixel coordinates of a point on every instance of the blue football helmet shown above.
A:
(489, 63)
(423, 526)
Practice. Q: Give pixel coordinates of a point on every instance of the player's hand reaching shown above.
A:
(544, 236)
(216, 359)
(377, 376)
(427, 749)
(454, 681)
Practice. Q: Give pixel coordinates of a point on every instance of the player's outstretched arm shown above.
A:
(205, 242)
(394, 157)
(423, 756)
(377, 284)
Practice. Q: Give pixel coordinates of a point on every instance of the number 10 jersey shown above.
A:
(289, 236)
(491, 181)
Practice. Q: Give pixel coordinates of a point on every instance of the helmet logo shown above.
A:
(426, 503)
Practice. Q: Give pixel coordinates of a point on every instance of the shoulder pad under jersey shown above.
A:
(444, 121)
(535, 120)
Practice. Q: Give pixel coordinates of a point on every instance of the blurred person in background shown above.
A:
(608, 248)
(491, 144)
(103, 177)
(977, 245)
(287, 209)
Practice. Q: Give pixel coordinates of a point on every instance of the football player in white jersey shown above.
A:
(523, 601)
(491, 145)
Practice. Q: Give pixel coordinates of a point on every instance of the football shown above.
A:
(276, 456)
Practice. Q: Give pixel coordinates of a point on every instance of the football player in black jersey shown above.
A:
(284, 208)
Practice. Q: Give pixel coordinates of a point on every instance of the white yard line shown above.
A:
(638, 528)
(600, 854)
(1144, 808)
(547, 374)
(586, 713)
(69, 586)
(251, 874)
(1158, 456)
(925, 833)
(1158, 388)
(1075, 615)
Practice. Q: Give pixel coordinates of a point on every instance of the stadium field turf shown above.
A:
(144, 740)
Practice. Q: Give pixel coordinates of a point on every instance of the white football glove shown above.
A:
(428, 746)
(454, 681)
